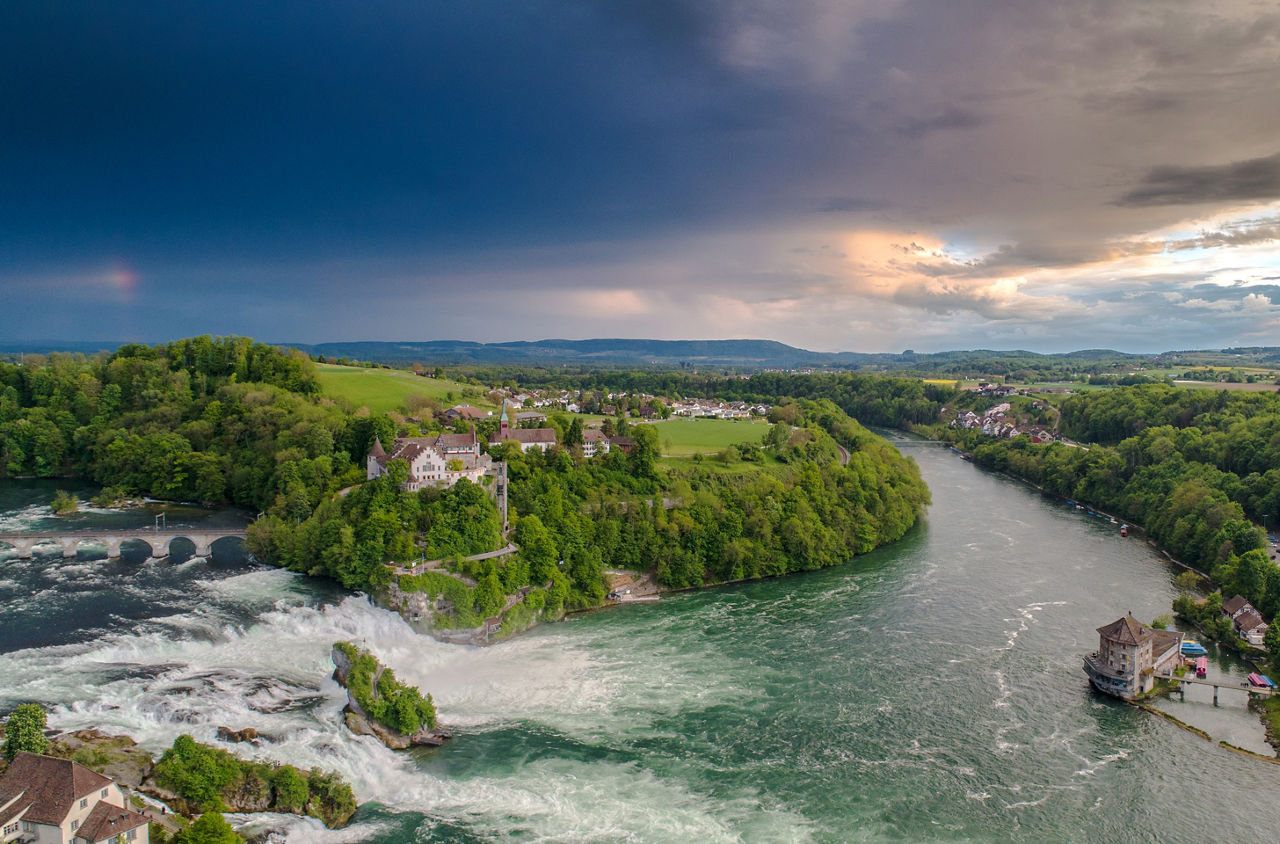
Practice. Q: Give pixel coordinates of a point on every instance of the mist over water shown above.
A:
(931, 690)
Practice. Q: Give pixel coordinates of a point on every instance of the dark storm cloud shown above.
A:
(421, 169)
(1252, 180)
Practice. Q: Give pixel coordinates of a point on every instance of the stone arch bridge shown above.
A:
(157, 540)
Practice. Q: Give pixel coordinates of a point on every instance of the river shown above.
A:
(931, 690)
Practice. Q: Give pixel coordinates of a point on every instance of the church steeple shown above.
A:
(504, 422)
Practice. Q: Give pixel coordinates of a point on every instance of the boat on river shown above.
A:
(1262, 681)
(1124, 530)
(1190, 647)
(1202, 666)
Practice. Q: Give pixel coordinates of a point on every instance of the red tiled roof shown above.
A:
(527, 435)
(52, 785)
(106, 820)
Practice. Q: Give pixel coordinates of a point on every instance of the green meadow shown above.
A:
(685, 437)
(382, 390)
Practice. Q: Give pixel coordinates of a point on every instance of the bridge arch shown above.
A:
(234, 546)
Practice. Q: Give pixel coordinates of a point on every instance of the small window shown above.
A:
(84, 802)
(104, 794)
(133, 835)
(75, 825)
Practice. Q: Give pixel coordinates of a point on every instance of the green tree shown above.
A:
(25, 731)
(1187, 580)
(573, 436)
(209, 828)
(290, 789)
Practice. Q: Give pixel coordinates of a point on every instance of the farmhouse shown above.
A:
(1246, 620)
(44, 800)
(433, 461)
(464, 411)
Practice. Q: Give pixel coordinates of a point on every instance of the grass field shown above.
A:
(684, 437)
(687, 465)
(381, 390)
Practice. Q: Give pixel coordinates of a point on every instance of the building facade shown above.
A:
(433, 461)
(45, 800)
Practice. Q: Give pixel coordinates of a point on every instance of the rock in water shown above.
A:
(248, 734)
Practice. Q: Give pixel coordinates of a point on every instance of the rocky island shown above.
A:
(378, 705)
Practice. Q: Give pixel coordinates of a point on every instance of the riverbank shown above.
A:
(148, 783)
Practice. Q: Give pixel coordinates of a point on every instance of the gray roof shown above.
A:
(1125, 631)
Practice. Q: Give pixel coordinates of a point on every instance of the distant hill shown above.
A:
(690, 354)
(614, 353)
(735, 353)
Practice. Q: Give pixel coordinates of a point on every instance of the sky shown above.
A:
(839, 175)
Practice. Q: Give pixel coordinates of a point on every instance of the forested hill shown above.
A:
(229, 420)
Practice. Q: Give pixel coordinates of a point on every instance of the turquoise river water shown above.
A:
(931, 690)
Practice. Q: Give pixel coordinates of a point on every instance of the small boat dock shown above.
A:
(1241, 686)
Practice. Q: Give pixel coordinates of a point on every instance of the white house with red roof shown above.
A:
(433, 461)
(45, 800)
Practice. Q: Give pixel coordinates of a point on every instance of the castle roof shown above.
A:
(377, 450)
(1125, 631)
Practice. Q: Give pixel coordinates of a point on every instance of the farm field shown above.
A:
(382, 390)
(685, 437)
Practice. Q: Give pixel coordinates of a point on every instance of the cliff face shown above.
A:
(362, 723)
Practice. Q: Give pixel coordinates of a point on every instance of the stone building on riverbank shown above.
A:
(1129, 656)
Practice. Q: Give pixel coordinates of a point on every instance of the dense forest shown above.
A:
(205, 419)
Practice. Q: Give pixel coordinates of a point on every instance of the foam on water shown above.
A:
(194, 671)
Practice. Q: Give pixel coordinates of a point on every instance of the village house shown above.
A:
(1129, 656)
(530, 416)
(539, 438)
(465, 411)
(44, 800)
(433, 461)
(1246, 620)
(594, 442)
